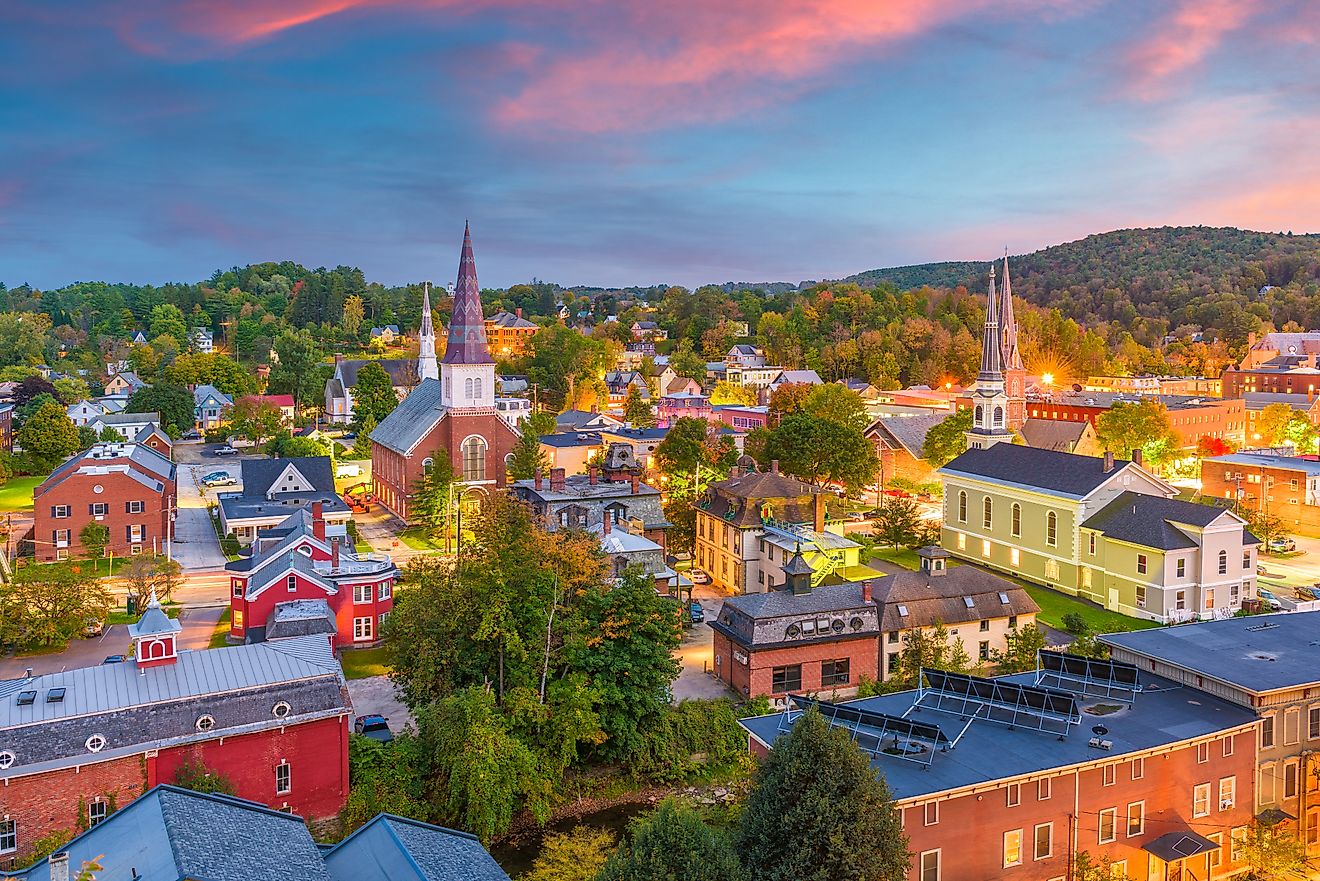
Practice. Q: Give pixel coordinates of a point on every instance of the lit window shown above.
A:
(474, 458)
(1108, 824)
(1051, 529)
(985, 549)
(1014, 556)
(1013, 848)
(1201, 800)
(1136, 819)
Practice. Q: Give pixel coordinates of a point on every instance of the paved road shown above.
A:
(697, 655)
(198, 625)
(376, 694)
(195, 543)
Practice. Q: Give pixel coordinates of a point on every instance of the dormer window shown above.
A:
(292, 583)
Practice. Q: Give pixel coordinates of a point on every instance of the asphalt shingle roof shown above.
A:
(412, 420)
(1150, 521)
(259, 474)
(1063, 473)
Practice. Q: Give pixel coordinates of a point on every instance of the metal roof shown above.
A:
(1286, 463)
(412, 420)
(391, 848)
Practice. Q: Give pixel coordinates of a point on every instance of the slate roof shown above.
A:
(1150, 521)
(1058, 435)
(909, 432)
(1050, 471)
(402, 371)
(391, 848)
(467, 328)
(134, 381)
(738, 500)
(930, 600)
(300, 618)
(202, 392)
(1258, 653)
(259, 474)
(258, 507)
(509, 319)
(412, 420)
(809, 377)
(145, 465)
(579, 486)
(574, 420)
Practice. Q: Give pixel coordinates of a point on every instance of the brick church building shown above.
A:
(452, 410)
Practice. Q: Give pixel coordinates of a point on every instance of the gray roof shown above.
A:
(1261, 400)
(568, 439)
(202, 392)
(809, 377)
(1150, 521)
(909, 432)
(1258, 653)
(579, 486)
(300, 618)
(391, 848)
(402, 371)
(509, 319)
(412, 420)
(1251, 460)
(1049, 470)
(153, 621)
(1059, 435)
(988, 752)
(259, 474)
(572, 420)
(137, 708)
(148, 466)
(260, 508)
(127, 418)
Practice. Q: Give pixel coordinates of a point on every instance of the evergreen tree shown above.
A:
(362, 445)
(373, 396)
(818, 812)
(673, 844)
(528, 456)
(636, 411)
(173, 402)
(1022, 645)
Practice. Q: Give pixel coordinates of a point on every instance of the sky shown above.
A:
(637, 142)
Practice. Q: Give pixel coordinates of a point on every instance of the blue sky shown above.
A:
(630, 142)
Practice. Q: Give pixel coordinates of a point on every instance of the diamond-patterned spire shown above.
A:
(467, 327)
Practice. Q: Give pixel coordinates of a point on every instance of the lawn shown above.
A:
(220, 636)
(361, 663)
(16, 495)
(905, 557)
(418, 540)
(118, 615)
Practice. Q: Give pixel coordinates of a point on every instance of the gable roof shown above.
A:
(1152, 521)
(1048, 471)
(202, 392)
(127, 418)
(412, 420)
(393, 848)
(1053, 434)
(260, 474)
(808, 377)
(402, 371)
(909, 432)
(510, 320)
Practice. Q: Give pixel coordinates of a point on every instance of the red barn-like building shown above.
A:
(297, 582)
(270, 718)
(452, 410)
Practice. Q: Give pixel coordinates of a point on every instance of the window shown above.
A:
(1138, 768)
(474, 458)
(362, 628)
(383, 592)
(1266, 731)
(983, 650)
(1202, 753)
(1043, 838)
(784, 679)
(205, 722)
(283, 779)
(834, 672)
(1201, 800)
(60, 512)
(1013, 795)
(962, 507)
(1265, 785)
(1014, 556)
(1236, 838)
(1226, 747)
(1141, 564)
(1313, 722)
(985, 549)
(1210, 598)
(238, 587)
(9, 836)
(1091, 543)
(136, 533)
(362, 593)
(1136, 819)
(1216, 855)
(291, 584)
(1017, 519)
(962, 541)
(98, 509)
(1108, 825)
(892, 662)
(1180, 600)
(930, 866)
(987, 513)
(1182, 567)
(1052, 570)
(1246, 559)
(1109, 773)
(1292, 726)
(1141, 596)
(1289, 780)
(1051, 529)
(1012, 848)
(985, 626)
(931, 814)
(95, 743)
(97, 810)
(281, 710)
(1044, 788)
(1223, 562)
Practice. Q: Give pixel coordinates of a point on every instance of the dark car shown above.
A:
(191, 434)
(114, 659)
(698, 613)
(373, 726)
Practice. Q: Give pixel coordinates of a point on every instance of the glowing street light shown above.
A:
(1047, 378)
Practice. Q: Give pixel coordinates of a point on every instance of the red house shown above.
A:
(451, 412)
(271, 718)
(297, 583)
(129, 488)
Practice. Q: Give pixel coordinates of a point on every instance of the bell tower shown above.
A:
(990, 400)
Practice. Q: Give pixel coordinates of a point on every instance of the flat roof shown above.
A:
(1255, 653)
(1163, 714)
(1285, 463)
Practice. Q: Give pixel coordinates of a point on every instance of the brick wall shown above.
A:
(45, 803)
(861, 655)
(1279, 498)
(78, 491)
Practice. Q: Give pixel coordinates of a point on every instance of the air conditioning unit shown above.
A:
(1225, 804)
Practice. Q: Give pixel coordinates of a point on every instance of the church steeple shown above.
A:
(989, 400)
(427, 368)
(1009, 356)
(467, 371)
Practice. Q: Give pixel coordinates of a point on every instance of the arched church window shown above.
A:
(474, 458)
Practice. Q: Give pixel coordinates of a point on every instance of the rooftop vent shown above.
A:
(27, 698)
(1097, 743)
(55, 696)
(1266, 626)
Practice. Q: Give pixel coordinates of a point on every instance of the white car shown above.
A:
(697, 576)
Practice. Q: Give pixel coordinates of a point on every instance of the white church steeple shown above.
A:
(990, 400)
(427, 366)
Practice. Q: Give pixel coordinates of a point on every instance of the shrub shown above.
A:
(1075, 622)
(689, 738)
(194, 775)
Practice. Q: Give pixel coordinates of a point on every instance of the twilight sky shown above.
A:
(637, 141)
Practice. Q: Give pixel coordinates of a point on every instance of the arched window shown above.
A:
(977, 419)
(987, 513)
(474, 458)
(962, 507)
(1051, 529)
(467, 388)
(476, 388)
(999, 417)
(1017, 519)
(1223, 562)
(426, 465)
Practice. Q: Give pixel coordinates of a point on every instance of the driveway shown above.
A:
(697, 655)
(195, 543)
(377, 695)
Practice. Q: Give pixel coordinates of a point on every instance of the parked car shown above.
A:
(219, 478)
(191, 434)
(1269, 599)
(114, 659)
(698, 613)
(373, 726)
(95, 627)
(1281, 545)
(226, 450)
(698, 576)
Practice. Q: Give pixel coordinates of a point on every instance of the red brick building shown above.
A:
(452, 415)
(128, 488)
(1191, 417)
(899, 441)
(297, 582)
(1017, 777)
(272, 718)
(1286, 486)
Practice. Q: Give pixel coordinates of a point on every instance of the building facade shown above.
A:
(129, 488)
(275, 488)
(1287, 487)
(507, 334)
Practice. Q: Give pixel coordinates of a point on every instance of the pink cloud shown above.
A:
(1182, 40)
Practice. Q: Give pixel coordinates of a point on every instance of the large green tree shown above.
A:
(835, 402)
(431, 498)
(818, 812)
(50, 604)
(167, 320)
(673, 844)
(173, 402)
(215, 369)
(528, 454)
(947, 440)
(373, 395)
(692, 455)
(48, 437)
(637, 411)
(295, 373)
(559, 360)
(1141, 426)
(822, 451)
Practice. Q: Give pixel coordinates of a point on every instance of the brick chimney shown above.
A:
(557, 479)
(536, 478)
(818, 521)
(866, 591)
(636, 483)
(334, 552)
(59, 866)
(774, 466)
(591, 474)
(318, 520)
(1109, 462)
(606, 525)
(339, 358)
(1136, 456)
(735, 472)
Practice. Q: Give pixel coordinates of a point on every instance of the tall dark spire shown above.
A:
(1009, 356)
(467, 326)
(991, 367)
